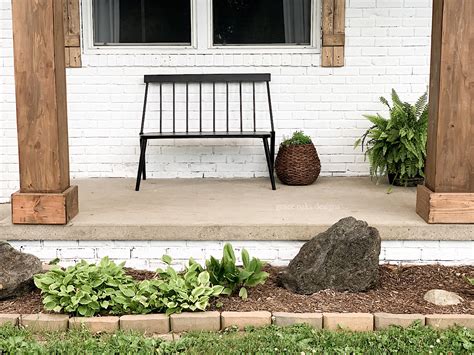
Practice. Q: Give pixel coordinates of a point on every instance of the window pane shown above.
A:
(142, 21)
(261, 21)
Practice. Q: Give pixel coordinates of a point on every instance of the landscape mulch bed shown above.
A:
(400, 290)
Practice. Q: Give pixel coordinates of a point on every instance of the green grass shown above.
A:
(297, 339)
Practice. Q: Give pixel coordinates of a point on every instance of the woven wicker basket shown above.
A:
(297, 164)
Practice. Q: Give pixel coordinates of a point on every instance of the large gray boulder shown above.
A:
(343, 258)
(16, 271)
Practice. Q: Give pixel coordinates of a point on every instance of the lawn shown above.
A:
(298, 339)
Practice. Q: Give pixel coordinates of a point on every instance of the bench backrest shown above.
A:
(199, 79)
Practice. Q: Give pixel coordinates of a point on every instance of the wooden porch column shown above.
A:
(448, 194)
(45, 195)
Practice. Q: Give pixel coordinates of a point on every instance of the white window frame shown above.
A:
(91, 48)
(201, 36)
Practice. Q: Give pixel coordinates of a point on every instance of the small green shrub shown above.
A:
(88, 289)
(397, 145)
(85, 289)
(227, 274)
(190, 290)
(298, 138)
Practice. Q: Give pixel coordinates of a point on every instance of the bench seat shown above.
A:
(217, 134)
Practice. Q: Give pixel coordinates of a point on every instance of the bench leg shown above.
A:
(272, 150)
(269, 162)
(144, 161)
(141, 164)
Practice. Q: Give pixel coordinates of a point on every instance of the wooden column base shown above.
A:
(45, 208)
(444, 207)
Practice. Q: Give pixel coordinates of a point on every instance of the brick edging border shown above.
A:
(215, 321)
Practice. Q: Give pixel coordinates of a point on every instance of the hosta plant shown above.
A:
(85, 289)
(397, 145)
(190, 290)
(88, 289)
(226, 273)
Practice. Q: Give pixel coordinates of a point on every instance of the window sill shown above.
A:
(187, 50)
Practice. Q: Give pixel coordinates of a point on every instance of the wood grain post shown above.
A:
(333, 33)
(45, 195)
(448, 194)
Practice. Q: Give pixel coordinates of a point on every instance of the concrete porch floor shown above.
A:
(223, 209)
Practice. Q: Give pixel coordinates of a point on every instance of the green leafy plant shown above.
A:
(85, 289)
(190, 290)
(226, 273)
(298, 138)
(397, 145)
(88, 289)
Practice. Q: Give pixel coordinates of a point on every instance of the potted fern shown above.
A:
(396, 146)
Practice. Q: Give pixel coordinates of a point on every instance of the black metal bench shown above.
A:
(199, 79)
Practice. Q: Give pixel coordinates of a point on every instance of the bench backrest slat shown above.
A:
(208, 78)
(205, 78)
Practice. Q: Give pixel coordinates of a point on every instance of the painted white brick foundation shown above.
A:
(387, 46)
(147, 254)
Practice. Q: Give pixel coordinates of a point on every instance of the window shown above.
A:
(200, 26)
(255, 22)
(142, 21)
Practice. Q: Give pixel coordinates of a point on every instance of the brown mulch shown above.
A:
(140, 275)
(400, 290)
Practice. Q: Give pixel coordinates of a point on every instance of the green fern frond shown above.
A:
(377, 120)
(396, 99)
(385, 102)
(421, 104)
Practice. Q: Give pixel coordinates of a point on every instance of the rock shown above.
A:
(16, 271)
(343, 258)
(442, 298)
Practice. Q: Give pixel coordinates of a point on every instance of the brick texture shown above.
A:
(245, 319)
(149, 323)
(387, 46)
(147, 254)
(444, 321)
(284, 319)
(385, 320)
(351, 321)
(186, 321)
(9, 319)
(45, 322)
(95, 324)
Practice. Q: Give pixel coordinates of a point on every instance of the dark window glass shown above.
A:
(241, 22)
(142, 21)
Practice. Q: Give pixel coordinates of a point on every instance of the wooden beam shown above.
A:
(450, 151)
(333, 33)
(41, 107)
(449, 207)
(72, 29)
(41, 208)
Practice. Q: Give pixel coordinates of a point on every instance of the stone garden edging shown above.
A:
(215, 321)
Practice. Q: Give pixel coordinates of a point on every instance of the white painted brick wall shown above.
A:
(147, 254)
(387, 46)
